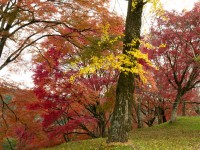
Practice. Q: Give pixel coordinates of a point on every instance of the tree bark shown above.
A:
(139, 114)
(184, 108)
(161, 115)
(121, 121)
(175, 108)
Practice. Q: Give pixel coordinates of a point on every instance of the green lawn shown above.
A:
(183, 135)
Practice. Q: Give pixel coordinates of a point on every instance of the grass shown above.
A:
(182, 135)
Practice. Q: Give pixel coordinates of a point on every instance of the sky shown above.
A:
(120, 6)
(23, 76)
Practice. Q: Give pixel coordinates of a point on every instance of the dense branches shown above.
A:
(23, 24)
(177, 60)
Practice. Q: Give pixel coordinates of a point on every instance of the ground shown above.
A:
(183, 135)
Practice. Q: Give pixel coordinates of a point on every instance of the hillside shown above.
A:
(184, 134)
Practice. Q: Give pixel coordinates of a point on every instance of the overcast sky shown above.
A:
(120, 6)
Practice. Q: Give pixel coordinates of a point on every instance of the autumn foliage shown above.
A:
(72, 108)
(72, 43)
(175, 51)
(57, 33)
(20, 127)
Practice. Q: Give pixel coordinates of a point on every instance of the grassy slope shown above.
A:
(183, 135)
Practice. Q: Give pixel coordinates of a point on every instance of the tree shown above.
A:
(121, 121)
(71, 109)
(75, 24)
(178, 58)
(40, 19)
(72, 104)
(68, 103)
(74, 33)
(148, 104)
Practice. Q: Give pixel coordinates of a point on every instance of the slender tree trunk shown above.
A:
(121, 121)
(163, 115)
(175, 108)
(184, 108)
(139, 114)
(163, 112)
(159, 114)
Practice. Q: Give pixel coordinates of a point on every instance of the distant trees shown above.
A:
(177, 58)
(20, 127)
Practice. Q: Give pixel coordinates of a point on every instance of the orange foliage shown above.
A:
(17, 121)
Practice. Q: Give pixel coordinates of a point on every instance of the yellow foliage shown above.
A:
(127, 63)
(124, 63)
(106, 37)
(134, 3)
(156, 6)
(162, 45)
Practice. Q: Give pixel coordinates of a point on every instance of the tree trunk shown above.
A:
(121, 121)
(184, 108)
(139, 114)
(161, 115)
(175, 108)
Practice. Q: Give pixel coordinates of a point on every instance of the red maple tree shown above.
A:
(177, 59)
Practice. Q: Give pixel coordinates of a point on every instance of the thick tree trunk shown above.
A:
(121, 121)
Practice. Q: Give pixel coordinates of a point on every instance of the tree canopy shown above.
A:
(94, 74)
